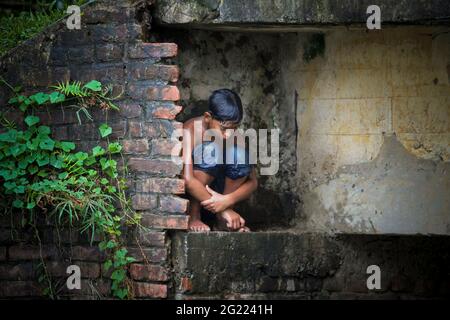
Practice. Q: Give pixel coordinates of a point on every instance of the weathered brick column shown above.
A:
(110, 48)
(156, 179)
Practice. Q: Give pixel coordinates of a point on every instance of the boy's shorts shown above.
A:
(234, 165)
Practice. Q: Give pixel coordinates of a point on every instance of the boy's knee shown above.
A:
(206, 158)
(237, 163)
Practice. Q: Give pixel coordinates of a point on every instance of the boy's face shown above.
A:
(223, 128)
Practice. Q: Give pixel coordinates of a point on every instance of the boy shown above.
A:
(231, 181)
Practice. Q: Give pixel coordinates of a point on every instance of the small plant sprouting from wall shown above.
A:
(40, 175)
(315, 46)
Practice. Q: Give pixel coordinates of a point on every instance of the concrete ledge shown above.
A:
(282, 265)
(203, 13)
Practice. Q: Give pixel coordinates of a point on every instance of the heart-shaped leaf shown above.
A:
(98, 151)
(114, 147)
(40, 97)
(93, 85)
(105, 130)
(67, 146)
(47, 144)
(56, 97)
(31, 120)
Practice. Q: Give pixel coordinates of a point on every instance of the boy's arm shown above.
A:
(219, 202)
(245, 190)
(194, 187)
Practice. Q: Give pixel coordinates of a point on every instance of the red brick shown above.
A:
(27, 252)
(167, 111)
(108, 52)
(130, 110)
(160, 185)
(152, 238)
(139, 129)
(136, 91)
(148, 255)
(118, 129)
(148, 272)
(153, 50)
(154, 71)
(152, 130)
(165, 147)
(157, 93)
(150, 290)
(144, 201)
(165, 93)
(172, 204)
(138, 146)
(135, 128)
(166, 167)
(185, 284)
(170, 73)
(179, 222)
(103, 73)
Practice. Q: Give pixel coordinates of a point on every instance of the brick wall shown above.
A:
(108, 48)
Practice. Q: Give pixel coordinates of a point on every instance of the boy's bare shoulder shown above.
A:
(189, 124)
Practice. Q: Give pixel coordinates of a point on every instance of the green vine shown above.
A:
(42, 175)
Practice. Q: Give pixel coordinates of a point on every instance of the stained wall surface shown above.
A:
(381, 99)
(364, 120)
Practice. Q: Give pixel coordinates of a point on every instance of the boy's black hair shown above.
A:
(225, 105)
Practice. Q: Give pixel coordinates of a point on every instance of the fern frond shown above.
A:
(73, 89)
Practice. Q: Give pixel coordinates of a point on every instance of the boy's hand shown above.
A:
(232, 219)
(217, 203)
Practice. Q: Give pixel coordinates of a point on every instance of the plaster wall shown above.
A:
(364, 120)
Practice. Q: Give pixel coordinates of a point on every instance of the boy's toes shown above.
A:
(197, 226)
(244, 229)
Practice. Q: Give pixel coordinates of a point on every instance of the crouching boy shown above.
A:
(217, 175)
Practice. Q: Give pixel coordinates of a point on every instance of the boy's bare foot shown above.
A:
(196, 225)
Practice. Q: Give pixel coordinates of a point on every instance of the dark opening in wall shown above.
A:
(247, 63)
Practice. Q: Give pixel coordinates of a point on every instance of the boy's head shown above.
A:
(225, 110)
